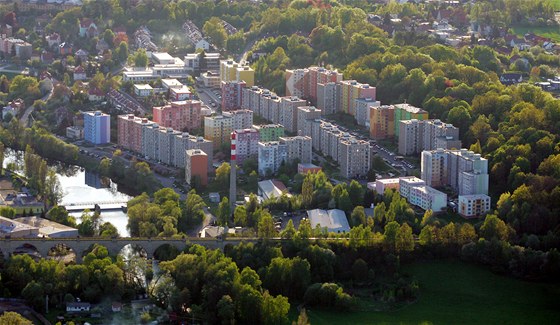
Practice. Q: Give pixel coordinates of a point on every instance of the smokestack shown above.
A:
(233, 173)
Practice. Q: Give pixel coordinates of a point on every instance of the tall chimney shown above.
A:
(233, 173)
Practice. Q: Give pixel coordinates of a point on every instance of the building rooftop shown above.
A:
(46, 227)
(334, 220)
(272, 188)
(410, 108)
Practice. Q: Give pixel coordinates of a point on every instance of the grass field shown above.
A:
(552, 32)
(556, 4)
(458, 293)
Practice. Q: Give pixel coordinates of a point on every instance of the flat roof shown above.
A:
(410, 108)
(162, 56)
(45, 226)
(334, 220)
(388, 180)
(143, 87)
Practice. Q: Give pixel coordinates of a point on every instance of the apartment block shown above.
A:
(411, 137)
(180, 115)
(233, 71)
(232, 95)
(271, 156)
(166, 143)
(416, 136)
(473, 206)
(428, 198)
(196, 167)
(97, 127)
(130, 129)
(434, 167)
(354, 157)
(298, 147)
(381, 122)
(269, 132)
(463, 170)
(407, 112)
(305, 113)
(328, 98)
(352, 90)
(407, 183)
(247, 145)
(150, 141)
(186, 141)
(296, 82)
(240, 119)
(288, 109)
(363, 108)
(218, 129)
(195, 62)
(304, 83)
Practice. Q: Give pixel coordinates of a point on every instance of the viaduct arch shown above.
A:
(113, 245)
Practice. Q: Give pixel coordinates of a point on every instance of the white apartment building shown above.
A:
(240, 119)
(186, 141)
(288, 116)
(434, 167)
(354, 157)
(407, 183)
(328, 98)
(473, 206)
(305, 113)
(166, 141)
(363, 108)
(271, 156)
(428, 198)
(298, 147)
(418, 135)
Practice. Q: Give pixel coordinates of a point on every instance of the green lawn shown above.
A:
(459, 293)
(552, 32)
(556, 4)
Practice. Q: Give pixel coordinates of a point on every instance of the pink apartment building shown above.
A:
(181, 115)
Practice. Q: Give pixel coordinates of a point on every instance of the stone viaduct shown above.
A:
(113, 245)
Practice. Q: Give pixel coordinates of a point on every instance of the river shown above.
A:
(80, 186)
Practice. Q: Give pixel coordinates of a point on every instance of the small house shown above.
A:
(77, 307)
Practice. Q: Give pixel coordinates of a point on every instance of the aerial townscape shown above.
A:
(279, 162)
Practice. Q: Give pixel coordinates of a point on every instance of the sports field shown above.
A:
(552, 32)
(459, 293)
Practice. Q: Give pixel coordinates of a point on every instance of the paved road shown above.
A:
(25, 117)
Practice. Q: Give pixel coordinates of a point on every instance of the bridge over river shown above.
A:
(114, 245)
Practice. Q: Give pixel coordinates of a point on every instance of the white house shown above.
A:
(202, 44)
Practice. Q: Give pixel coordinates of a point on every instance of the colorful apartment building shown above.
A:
(218, 129)
(381, 122)
(269, 132)
(233, 71)
(247, 145)
(232, 95)
(407, 112)
(179, 115)
(350, 90)
(196, 167)
(97, 127)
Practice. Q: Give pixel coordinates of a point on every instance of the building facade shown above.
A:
(473, 206)
(247, 144)
(271, 156)
(196, 167)
(218, 129)
(180, 115)
(269, 132)
(232, 95)
(97, 127)
(381, 122)
(298, 147)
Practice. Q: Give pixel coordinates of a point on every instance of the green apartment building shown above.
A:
(269, 132)
(405, 112)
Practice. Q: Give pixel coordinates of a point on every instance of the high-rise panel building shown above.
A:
(240, 119)
(363, 109)
(304, 83)
(354, 157)
(233, 71)
(407, 112)
(381, 122)
(196, 167)
(97, 127)
(218, 129)
(271, 156)
(352, 90)
(305, 113)
(180, 115)
(232, 95)
(416, 136)
(247, 145)
(269, 132)
(328, 99)
(298, 147)
(288, 115)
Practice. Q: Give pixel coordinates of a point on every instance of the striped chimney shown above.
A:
(233, 145)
